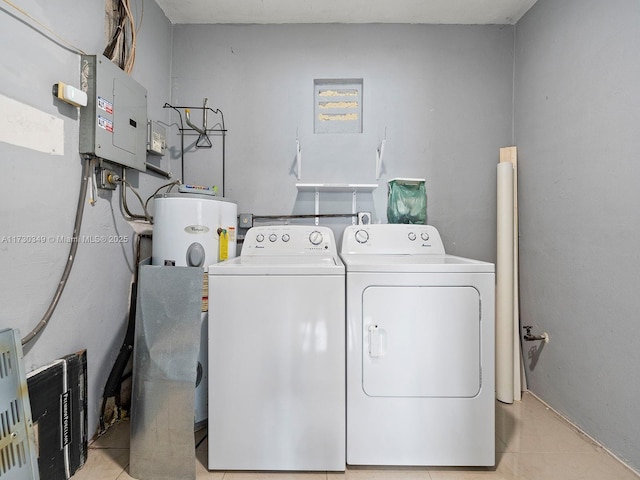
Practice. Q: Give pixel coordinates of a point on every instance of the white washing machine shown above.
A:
(276, 353)
(420, 350)
(185, 233)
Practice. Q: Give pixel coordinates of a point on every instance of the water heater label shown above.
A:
(224, 245)
(196, 229)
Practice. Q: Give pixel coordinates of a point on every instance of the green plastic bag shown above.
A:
(407, 201)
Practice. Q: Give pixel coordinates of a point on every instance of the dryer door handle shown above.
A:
(377, 341)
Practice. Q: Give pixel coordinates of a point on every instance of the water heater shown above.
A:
(195, 230)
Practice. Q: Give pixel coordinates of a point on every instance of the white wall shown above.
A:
(443, 93)
(577, 111)
(39, 191)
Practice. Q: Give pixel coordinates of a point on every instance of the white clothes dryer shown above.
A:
(276, 353)
(420, 350)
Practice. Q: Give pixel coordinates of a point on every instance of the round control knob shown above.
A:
(273, 237)
(412, 236)
(315, 237)
(424, 236)
(286, 237)
(260, 238)
(362, 236)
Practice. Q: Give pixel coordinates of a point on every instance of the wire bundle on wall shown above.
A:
(121, 48)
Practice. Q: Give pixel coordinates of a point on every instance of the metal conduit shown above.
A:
(86, 174)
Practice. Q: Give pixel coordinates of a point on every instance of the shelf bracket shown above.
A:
(353, 188)
(354, 206)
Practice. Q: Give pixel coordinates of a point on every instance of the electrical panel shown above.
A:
(113, 125)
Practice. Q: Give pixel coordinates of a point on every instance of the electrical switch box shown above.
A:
(113, 125)
(157, 138)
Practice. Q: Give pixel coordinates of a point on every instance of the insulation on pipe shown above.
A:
(505, 285)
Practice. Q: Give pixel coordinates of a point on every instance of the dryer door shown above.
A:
(421, 341)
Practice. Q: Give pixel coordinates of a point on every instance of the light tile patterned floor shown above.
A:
(532, 443)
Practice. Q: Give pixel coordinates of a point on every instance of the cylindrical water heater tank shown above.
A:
(193, 229)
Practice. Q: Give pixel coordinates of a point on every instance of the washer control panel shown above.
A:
(392, 239)
(289, 240)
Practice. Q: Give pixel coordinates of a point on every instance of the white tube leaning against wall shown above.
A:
(504, 285)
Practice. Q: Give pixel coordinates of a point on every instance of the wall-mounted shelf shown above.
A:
(353, 188)
(336, 187)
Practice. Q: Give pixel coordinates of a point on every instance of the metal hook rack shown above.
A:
(203, 140)
(203, 132)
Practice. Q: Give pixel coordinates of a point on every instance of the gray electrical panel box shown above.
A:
(113, 125)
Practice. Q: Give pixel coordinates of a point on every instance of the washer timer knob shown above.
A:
(412, 236)
(424, 236)
(362, 236)
(286, 237)
(315, 237)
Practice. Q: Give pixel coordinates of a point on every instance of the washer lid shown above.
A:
(428, 263)
(279, 265)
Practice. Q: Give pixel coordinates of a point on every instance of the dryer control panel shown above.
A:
(289, 240)
(392, 239)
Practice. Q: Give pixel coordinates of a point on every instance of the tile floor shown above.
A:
(532, 443)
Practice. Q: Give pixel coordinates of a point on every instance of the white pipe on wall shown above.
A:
(504, 285)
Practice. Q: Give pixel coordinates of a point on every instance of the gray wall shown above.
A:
(577, 111)
(443, 93)
(40, 190)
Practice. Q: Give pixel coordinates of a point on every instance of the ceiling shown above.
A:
(478, 12)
